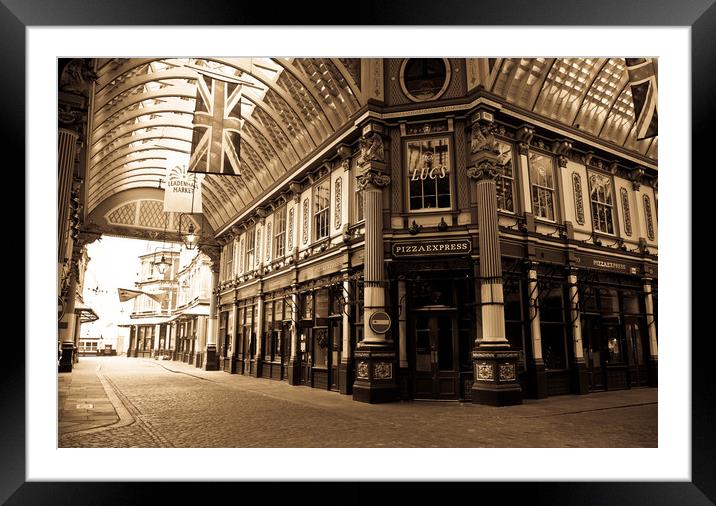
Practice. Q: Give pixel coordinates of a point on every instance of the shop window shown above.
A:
(505, 183)
(514, 312)
(307, 306)
(321, 306)
(280, 233)
(543, 185)
(552, 325)
(600, 191)
(428, 171)
(320, 348)
(268, 331)
(321, 205)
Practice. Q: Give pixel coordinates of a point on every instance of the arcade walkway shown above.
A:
(121, 402)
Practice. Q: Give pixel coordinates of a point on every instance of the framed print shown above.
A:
(465, 167)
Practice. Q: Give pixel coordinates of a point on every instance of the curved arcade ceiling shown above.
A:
(143, 111)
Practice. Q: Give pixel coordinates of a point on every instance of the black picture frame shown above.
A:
(699, 15)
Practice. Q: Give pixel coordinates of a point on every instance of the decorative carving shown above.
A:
(483, 138)
(362, 370)
(373, 179)
(305, 221)
(627, 213)
(524, 136)
(484, 371)
(506, 372)
(562, 148)
(346, 234)
(338, 208)
(269, 238)
(289, 233)
(371, 148)
(414, 228)
(77, 76)
(649, 220)
(427, 128)
(383, 370)
(578, 202)
(484, 170)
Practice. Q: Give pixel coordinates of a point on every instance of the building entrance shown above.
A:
(435, 347)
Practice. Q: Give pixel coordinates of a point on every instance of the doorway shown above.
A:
(435, 357)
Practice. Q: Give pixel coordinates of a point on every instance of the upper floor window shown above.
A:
(506, 182)
(543, 186)
(280, 233)
(428, 164)
(250, 245)
(359, 207)
(229, 259)
(600, 193)
(321, 204)
(424, 78)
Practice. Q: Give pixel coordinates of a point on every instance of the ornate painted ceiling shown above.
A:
(143, 111)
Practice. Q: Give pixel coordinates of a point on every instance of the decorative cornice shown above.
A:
(562, 148)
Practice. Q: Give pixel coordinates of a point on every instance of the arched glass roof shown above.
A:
(143, 111)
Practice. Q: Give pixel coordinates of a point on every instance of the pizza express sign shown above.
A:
(608, 264)
(432, 248)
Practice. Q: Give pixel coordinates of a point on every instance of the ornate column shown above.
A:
(294, 369)
(495, 364)
(211, 363)
(653, 366)
(345, 371)
(375, 355)
(580, 382)
(67, 323)
(535, 366)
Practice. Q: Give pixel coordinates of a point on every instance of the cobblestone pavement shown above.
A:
(160, 403)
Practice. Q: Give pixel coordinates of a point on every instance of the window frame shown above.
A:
(324, 213)
(513, 180)
(280, 217)
(250, 243)
(612, 206)
(406, 140)
(554, 190)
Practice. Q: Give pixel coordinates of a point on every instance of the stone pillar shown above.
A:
(132, 339)
(653, 366)
(495, 363)
(211, 363)
(155, 341)
(67, 326)
(535, 366)
(345, 371)
(233, 361)
(294, 369)
(580, 383)
(259, 333)
(375, 356)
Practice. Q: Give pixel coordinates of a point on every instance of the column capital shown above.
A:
(485, 169)
(372, 179)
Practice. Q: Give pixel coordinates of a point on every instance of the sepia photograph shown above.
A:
(358, 252)
(340, 256)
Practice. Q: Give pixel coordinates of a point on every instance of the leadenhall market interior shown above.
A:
(468, 229)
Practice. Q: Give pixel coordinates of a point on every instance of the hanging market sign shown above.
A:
(438, 247)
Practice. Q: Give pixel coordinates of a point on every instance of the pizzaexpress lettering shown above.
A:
(609, 265)
(422, 248)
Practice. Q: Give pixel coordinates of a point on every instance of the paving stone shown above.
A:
(175, 404)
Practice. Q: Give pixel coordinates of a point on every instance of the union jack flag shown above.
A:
(642, 79)
(215, 147)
